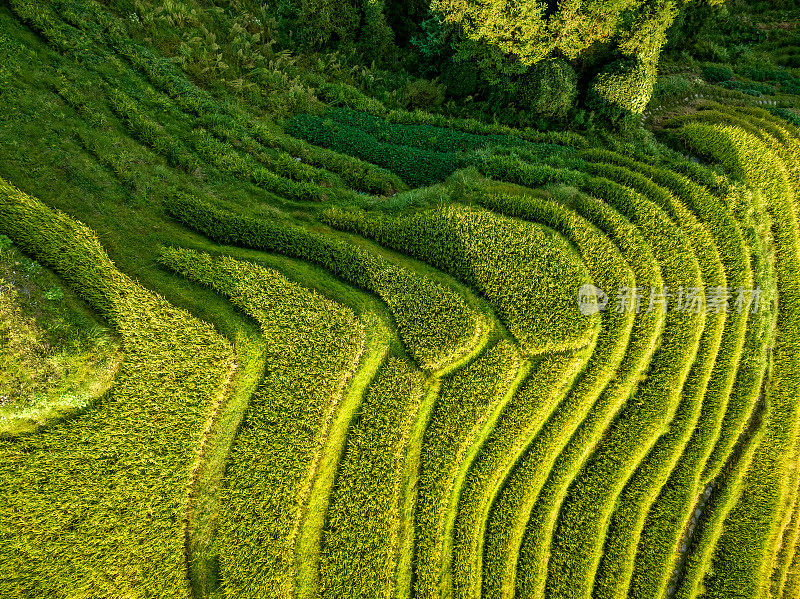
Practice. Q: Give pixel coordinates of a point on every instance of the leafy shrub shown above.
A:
(549, 88)
(323, 21)
(671, 86)
(421, 93)
(710, 49)
(343, 94)
(460, 78)
(623, 87)
(647, 33)
(716, 73)
(377, 36)
(787, 114)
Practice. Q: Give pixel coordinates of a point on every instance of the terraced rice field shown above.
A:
(358, 358)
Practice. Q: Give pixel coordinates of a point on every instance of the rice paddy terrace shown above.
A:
(349, 359)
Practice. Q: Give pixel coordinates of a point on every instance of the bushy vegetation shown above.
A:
(549, 88)
(623, 87)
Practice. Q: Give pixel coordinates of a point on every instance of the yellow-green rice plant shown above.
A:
(739, 436)
(361, 541)
(503, 573)
(671, 512)
(528, 411)
(743, 560)
(94, 506)
(465, 412)
(437, 319)
(563, 544)
(313, 347)
(527, 272)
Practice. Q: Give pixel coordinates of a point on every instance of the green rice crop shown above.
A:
(583, 486)
(544, 389)
(438, 324)
(415, 166)
(424, 137)
(94, 506)
(361, 542)
(526, 272)
(722, 330)
(739, 436)
(357, 173)
(313, 346)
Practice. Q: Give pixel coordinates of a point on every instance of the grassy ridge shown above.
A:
(720, 497)
(56, 356)
(83, 477)
(792, 585)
